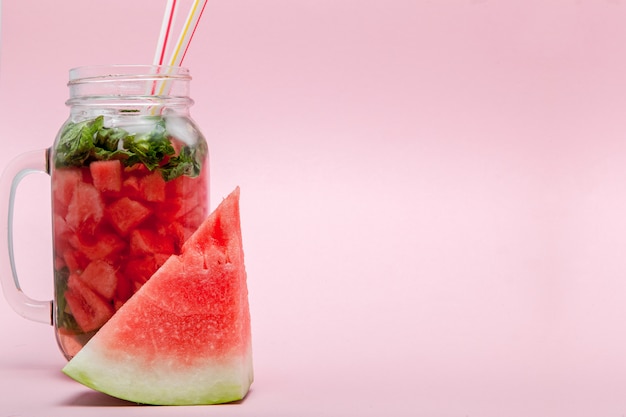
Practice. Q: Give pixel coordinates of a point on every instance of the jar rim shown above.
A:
(116, 72)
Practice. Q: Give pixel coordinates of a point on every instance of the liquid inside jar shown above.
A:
(126, 194)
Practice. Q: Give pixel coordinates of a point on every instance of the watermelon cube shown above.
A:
(190, 192)
(126, 214)
(106, 175)
(107, 245)
(167, 212)
(64, 183)
(184, 187)
(152, 187)
(174, 231)
(85, 209)
(87, 307)
(101, 277)
(61, 232)
(139, 269)
(143, 241)
(60, 225)
(75, 260)
(194, 217)
(130, 187)
(124, 289)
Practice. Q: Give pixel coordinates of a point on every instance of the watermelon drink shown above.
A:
(115, 223)
(129, 186)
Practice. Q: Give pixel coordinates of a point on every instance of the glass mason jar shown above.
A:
(129, 181)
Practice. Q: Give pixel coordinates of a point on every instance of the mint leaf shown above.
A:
(107, 145)
(109, 138)
(65, 319)
(81, 143)
(75, 143)
(86, 141)
(150, 148)
(187, 162)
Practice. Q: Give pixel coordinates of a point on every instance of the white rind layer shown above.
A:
(162, 383)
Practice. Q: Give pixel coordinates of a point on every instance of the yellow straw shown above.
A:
(186, 34)
(183, 39)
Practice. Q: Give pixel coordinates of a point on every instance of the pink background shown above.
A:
(433, 198)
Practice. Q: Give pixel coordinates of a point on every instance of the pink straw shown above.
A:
(195, 26)
(166, 26)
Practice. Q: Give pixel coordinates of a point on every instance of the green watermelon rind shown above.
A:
(212, 384)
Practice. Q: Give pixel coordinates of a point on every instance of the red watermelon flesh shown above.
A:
(90, 310)
(85, 208)
(101, 277)
(184, 337)
(105, 213)
(152, 187)
(63, 187)
(107, 175)
(125, 214)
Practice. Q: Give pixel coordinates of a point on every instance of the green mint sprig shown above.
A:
(83, 142)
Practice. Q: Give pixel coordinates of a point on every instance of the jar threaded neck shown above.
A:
(147, 85)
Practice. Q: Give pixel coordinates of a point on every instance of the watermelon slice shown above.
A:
(184, 338)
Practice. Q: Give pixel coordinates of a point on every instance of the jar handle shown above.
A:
(15, 171)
